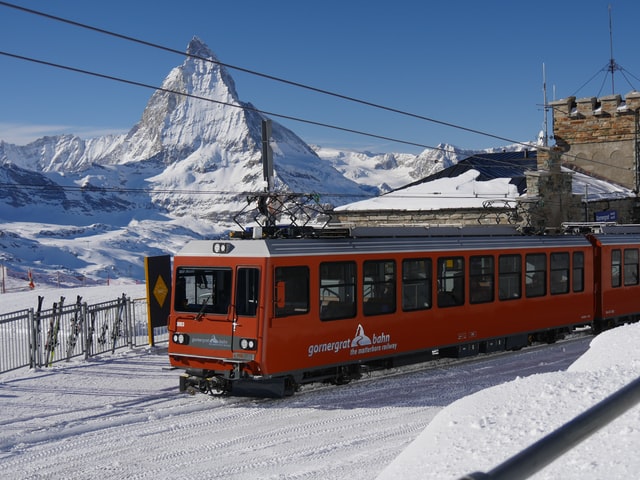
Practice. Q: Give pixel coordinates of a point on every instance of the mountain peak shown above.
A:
(198, 48)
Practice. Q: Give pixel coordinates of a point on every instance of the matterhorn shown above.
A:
(196, 151)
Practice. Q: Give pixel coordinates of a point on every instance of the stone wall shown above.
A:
(598, 135)
(470, 216)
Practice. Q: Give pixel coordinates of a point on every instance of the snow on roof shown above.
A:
(463, 191)
(467, 191)
(596, 189)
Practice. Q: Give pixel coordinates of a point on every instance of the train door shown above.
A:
(245, 314)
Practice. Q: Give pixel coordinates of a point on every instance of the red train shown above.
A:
(266, 315)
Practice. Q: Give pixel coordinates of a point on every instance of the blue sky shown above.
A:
(468, 63)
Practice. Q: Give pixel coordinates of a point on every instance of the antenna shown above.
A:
(545, 138)
(613, 66)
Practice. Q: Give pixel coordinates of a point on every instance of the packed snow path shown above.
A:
(122, 417)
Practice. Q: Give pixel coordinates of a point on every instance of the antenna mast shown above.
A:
(545, 138)
(613, 66)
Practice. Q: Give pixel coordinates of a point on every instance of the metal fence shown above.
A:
(37, 337)
(15, 336)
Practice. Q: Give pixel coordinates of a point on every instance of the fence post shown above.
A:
(33, 347)
(83, 330)
(88, 331)
(129, 326)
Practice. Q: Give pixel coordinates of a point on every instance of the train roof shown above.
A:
(369, 244)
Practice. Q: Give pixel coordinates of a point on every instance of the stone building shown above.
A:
(600, 136)
(591, 174)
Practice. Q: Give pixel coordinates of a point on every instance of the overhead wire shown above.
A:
(199, 97)
(277, 79)
(259, 74)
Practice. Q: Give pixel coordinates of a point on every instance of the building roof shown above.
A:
(490, 167)
(484, 180)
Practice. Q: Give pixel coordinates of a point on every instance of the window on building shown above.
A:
(509, 277)
(536, 275)
(416, 284)
(481, 282)
(337, 290)
(291, 291)
(450, 281)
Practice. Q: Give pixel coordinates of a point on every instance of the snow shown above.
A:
(480, 431)
(121, 416)
(463, 191)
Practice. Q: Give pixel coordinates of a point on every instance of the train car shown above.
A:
(267, 315)
(617, 287)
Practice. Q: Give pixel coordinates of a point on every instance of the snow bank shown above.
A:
(480, 431)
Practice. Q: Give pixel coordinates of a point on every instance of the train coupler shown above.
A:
(192, 384)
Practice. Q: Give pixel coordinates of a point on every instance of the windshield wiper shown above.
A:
(204, 305)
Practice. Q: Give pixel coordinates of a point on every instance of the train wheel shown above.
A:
(346, 373)
(290, 386)
(551, 336)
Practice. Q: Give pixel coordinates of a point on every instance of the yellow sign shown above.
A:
(160, 291)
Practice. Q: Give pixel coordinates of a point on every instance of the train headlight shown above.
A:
(222, 247)
(248, 344)
(180, 338)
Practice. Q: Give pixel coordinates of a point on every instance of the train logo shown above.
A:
(360, 344)
(361, 338)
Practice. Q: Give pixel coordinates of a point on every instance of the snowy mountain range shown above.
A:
(96, 207)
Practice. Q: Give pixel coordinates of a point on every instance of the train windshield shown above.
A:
(206, 290)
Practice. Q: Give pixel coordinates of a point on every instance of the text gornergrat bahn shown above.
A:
(265, 315)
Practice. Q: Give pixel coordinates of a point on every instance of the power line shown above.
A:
(260, 74)
(173, 191)
(198, 97)
(267, 76)
(264, 112)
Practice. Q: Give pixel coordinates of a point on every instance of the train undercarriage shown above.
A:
(214, 383)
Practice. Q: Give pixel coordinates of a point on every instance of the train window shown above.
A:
(509, 277)
(481, 282)
(292, 283)
(202, 290)
(536, 275)
(450, 281)
(631, 266)
(337, 290)
(578, 272)
(378, 287)
(616, 271)
(416, 284)
(559, 273)
(247, 289)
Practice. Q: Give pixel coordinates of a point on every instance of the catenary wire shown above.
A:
(244, 106)
(274, 78)
(260, 74)
(198, 97)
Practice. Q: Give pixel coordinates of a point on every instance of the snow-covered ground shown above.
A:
(121, 416)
